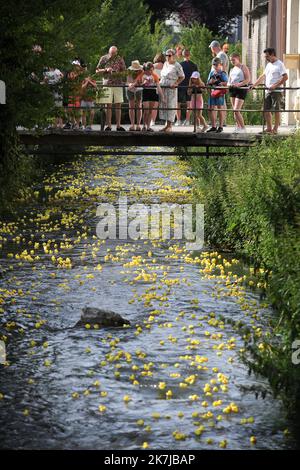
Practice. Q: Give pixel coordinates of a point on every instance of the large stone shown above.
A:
(102, 318)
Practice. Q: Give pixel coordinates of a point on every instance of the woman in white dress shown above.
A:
(171, 76)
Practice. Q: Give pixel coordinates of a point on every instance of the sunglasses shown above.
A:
(169, 55)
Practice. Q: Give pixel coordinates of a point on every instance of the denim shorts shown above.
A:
(134, 95)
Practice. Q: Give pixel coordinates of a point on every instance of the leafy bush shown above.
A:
(252, 206)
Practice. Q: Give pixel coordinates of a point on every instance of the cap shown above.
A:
(195, 75)
(216, 61)
(214, 44)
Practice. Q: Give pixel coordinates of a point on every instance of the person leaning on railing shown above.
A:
(216, 100)
(239, 78)
(108, 65)
(149, 80)
(195, 90)
(134, 96)
(274, 76)
(171, 75)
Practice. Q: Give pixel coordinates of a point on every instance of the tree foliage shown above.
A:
(40, 33)
(215, 15)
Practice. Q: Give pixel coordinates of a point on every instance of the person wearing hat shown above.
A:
(195, 90)
(216, 50)
(217, 78)
(172, 75)
(134, 96)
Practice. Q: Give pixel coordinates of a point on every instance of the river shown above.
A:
(173, 379)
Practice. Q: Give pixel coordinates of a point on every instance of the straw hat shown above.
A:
(135, 65)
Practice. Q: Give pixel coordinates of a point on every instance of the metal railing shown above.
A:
(103, 106)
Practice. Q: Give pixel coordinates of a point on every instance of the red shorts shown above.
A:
(74, 102)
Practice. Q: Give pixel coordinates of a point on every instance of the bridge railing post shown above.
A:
(195, 108)
(264, 109)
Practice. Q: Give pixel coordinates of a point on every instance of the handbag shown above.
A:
(218, 93)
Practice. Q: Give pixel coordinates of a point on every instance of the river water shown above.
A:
(173, 379)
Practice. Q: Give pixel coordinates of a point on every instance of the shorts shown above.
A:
(238, 93)
(196, 101)
(183, 97)
(74, 102)
(134, 95)
(149, 94)
(58, 99)
(220, 101)
(87, 104)
(110, 95)
(274, 101)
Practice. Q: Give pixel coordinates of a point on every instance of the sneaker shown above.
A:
(178, 123)
(120, 129)
(219, 130)
(107, 128)
(88, 128)
(150, 130)
(241, 130)
(212, 129)
(67, 126)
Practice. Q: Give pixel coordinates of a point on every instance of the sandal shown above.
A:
(138, 128)
(131, 128)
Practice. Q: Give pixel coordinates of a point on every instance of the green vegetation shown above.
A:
(252, 206)
(38, 33)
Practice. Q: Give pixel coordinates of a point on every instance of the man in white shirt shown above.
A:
(274, 76)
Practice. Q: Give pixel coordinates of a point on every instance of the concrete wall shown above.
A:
(255, 34)
(292, 47)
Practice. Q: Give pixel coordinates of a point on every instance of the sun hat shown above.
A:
(170, 52)
(214, 44)
(195, 75)
(135, 65)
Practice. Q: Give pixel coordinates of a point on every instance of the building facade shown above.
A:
(273, 23)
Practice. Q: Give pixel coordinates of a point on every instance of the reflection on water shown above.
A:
(172, 380)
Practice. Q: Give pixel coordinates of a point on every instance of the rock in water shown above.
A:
(97, 316)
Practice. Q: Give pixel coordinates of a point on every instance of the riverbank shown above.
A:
(252, 207)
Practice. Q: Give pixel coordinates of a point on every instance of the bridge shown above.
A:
(180, 138)
(77, 141)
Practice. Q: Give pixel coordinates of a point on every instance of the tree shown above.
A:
(197, 39)
(40, 33)
(215, 15)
